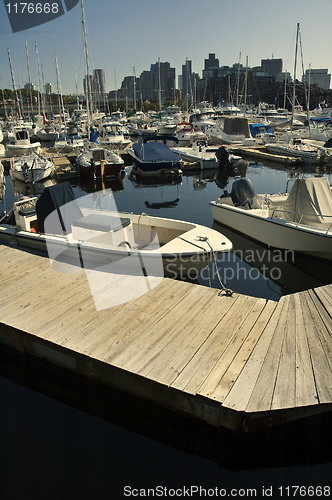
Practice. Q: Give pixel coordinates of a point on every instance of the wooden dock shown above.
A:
(234, 362)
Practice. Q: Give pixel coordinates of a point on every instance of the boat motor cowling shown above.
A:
(222, 156)
(243, 192)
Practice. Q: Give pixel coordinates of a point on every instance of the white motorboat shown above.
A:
(48, 133)
(187, 134)
(31, 168)
(70, 142)
(203, 154)
(19, 143)
(112, 135)
(74, 230)
(296, 148)
(300, 221)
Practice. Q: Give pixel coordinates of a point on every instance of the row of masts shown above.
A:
(89, 100)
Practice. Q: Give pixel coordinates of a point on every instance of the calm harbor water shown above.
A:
(53, 448)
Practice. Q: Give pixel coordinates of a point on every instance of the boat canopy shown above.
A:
(52, 198)
(154, 151)
(309, 202)
(236, 125)
(259, 128)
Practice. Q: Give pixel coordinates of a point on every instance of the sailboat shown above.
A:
(95, 162)
(294, 146)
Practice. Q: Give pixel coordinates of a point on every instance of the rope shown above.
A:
(228, 291)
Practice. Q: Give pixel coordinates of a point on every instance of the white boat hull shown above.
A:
(276, 233)
(20, 150)
(183, 248)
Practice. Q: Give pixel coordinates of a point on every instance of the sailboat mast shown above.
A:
(246, 88)
(86, 58)
(29, 75)
(295, 64)
(13, 82)
(116, 92)
(159, 87)
(238, 82)
(60, 100)
(41, 92)
(134, 81)
(76, 86)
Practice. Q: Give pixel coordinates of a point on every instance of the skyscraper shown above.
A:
(187, 81)
(99, 86)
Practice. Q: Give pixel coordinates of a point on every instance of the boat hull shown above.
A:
(110, 171)
(184, 249)
(276, 233)
(158, 168)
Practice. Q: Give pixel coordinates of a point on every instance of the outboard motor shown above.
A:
(242, 192)
(222, 157)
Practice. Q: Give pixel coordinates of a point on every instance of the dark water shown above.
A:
(63, 441)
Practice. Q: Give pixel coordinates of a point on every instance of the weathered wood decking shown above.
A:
(222, 359)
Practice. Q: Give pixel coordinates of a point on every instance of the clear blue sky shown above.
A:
(130, 33)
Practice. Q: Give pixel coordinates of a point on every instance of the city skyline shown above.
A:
(116, 43)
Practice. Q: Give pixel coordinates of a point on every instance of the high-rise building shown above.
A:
(272, 66)
(86, 79)
(29, 86)
(212, 62)
(99, 86)
(48, 88)
(187, 81)
(163, 79)
(318, 77)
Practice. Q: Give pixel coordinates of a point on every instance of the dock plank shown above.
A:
(284, 390)
(198, 368)
(212, 382)
(263, 391)
(305, 387)
(154, 339)
(319, 348)
(240, 394)
(242, 356)
(168, 370)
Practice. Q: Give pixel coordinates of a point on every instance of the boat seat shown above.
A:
(27, 211)
(99, 222)
(104, 229)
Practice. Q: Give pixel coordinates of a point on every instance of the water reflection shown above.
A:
(291, 271)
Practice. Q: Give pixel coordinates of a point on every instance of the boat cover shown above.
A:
(236, 125)
(154, 152)
(53, 198)
(259, 128)
(310, 202)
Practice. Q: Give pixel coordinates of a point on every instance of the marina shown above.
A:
(166, 263)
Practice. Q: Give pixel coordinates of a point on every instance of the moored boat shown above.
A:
(299, 221)
(98, 162)
(19, 143)
(151, 157)
(31, 168)
(74, 231)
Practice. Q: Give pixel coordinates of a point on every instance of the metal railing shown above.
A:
(301, 215)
